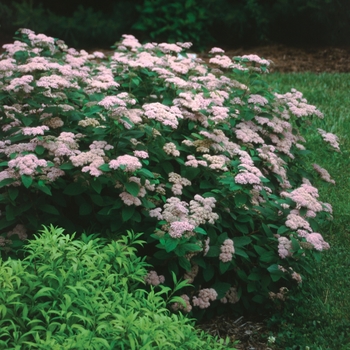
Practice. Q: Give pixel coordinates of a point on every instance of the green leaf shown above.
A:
(282, 229)
(221, 288)
(259, 250)
(223, 267)
(184, 263)
(268, 257)
(171, 244)
(200, 231)
(240, 199)
(66, 166)
(133, 188)
(241, 228)
(208, 273)
(74, 189)
(251, 287)
(6, 182)
(10, 212)
(85, 208)
(213, 251)
(241, 253)
(127, 213)
(145, 173)
(13, 193)
(241, 241)
(96, 185)
(254, 276)
(26, 180)
(104, 167)
(50, 209)
(39, 149)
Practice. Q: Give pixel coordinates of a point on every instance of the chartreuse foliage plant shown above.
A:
(85, 293)
(204, 158)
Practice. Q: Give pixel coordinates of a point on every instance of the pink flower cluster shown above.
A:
(153, 279)
(227, 250)
(130, 163)
(204, 297)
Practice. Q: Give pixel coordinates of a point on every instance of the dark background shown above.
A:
(224, 23)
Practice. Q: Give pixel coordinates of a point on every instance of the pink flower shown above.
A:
(177, 228)
(317, 241)
(330, 138)
(141, 154)
(27, 164)
(38, 130)
(131, 163)
(129, 199)
(227, 250)
(284, 247)
(204, 298)
(153, 279)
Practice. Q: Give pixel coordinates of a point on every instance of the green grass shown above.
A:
(320, 316)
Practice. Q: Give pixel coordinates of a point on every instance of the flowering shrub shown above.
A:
(203, 158)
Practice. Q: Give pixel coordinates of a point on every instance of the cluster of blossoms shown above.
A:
(153, 279)
(227, 250)
(212, 150)
(204, 297)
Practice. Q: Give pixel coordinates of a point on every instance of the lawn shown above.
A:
(320, 317)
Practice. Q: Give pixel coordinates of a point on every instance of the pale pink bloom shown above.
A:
(110, 101)
(54, 173)
(185, 45)
(141, 154)
(8, 64)
(179, 306)
(245, 177)
(323, 173)
(258, 99)
(27, 164)
(129, 199)
(76, 61)
(54, 123)
(164, 114)
(204, 298)
(130, 41)
(295, 221)
(284, 247)
(21, 83)
(165, 47)
(178, 228)
(18, 230)
(330, 138)
(175, 210)
(56, 82)
(193, 162)
(222, 61)
(89, 122)
(216, 50)
(216, 162)
(317, 241)
(170, 149)
(156, 213)
(37, 130)
(256, 59)
(99, 54)
(191, 275)
(247, 132)
(227, 250)
(231, 296)
(296, 276)
(154, 279)
(131, 163)
(201, 210)
(145, 60)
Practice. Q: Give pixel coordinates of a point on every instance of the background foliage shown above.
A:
(225, 22)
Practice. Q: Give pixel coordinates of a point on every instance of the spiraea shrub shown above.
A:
(86, 294)
(203, 157)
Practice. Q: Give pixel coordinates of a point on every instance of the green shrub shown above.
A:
(206, 160)
(85, 294)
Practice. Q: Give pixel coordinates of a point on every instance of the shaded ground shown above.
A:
(294, 59)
